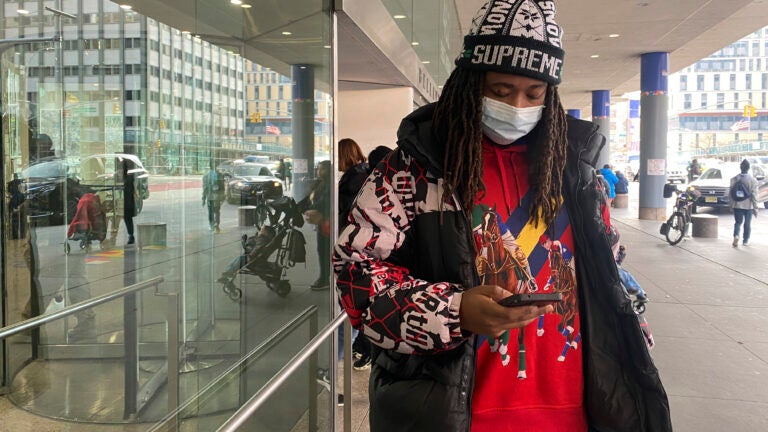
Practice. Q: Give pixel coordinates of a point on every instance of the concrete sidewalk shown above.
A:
(709, 316)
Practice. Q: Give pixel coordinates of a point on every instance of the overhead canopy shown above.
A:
(372, 53)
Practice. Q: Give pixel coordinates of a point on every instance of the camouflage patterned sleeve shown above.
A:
(395, 310)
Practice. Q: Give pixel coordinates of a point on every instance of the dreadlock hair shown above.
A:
(458, 122)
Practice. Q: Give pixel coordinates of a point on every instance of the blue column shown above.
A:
(633, 137)
(654, 100)
(576, 113)
(601, 116)
(302, 123)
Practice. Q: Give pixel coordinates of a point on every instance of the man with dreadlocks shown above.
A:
(498, 137)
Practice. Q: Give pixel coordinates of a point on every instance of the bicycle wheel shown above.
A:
(677, 228)
(262, 215)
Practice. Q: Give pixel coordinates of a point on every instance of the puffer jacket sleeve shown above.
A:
(395, 310)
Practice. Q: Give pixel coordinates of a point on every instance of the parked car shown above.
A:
(677, 175)
(714, 183)
(105, 170)
(48, 181)
(52, 189)
(758, 160)
(248, 179)
(228, 166)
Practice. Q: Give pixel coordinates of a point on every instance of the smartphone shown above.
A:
(538, 299)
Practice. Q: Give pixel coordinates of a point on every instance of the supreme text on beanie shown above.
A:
(515, 36)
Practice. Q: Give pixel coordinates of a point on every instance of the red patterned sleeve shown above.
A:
(394, 310)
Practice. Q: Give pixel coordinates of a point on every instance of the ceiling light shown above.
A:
(399, 17)
(23, 12)
(426, 62)
(414, 43)
(327, 46)
(246, 6)
(594, 56)
(287, 33)
(236, 2)
(614, 35)
(126, 7)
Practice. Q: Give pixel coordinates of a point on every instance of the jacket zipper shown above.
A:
(470, 379)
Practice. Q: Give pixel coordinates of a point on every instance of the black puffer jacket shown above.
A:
(349, 186)
(433, 392)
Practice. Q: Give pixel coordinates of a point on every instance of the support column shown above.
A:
(302, 123)
(601, 116)
(575, 113)
(653, 134)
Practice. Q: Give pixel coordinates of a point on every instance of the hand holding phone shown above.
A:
(538, 299)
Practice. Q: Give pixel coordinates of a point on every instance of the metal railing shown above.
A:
(171, 421)
(261, 396)
(131, 390)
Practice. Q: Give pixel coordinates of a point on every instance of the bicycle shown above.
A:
(675, 228)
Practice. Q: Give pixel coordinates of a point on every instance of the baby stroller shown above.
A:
(89, 224)
(636, 293)
(278, 246)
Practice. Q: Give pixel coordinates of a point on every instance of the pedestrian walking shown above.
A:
(743, 200)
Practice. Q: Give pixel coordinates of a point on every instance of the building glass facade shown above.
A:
(112, 119)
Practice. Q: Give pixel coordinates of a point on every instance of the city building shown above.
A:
(119, 81)
(719, 105)
(268, 129)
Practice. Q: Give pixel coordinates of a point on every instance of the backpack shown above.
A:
(297, 253)
(217, 182)
(740, 190)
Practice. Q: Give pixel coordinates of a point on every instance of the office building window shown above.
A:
(699, 82)
(721, 100)
(717, 81)
(687, 101)
(703, 100)
(733, 82)
(736, 101)
(683, 82)
(749, 81)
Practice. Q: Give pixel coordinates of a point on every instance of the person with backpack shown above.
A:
(743, 200)
(213, 195)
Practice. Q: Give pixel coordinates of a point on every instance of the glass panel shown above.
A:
(139, 147)
(435, 37)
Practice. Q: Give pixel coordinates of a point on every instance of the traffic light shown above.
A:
(115, 108)
(258, 117)
(750, 111)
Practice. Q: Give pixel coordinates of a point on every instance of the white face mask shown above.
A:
(504, 124)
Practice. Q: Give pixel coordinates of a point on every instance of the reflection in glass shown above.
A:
(107, 134)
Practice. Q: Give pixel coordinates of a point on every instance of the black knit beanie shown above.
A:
(518, 37)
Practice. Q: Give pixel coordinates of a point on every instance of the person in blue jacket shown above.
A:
(622, 186)
(610, 177)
